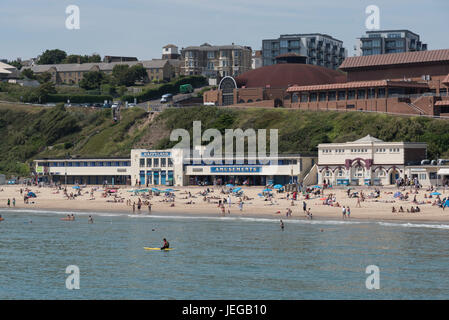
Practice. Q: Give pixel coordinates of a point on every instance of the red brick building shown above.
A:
(400, 83)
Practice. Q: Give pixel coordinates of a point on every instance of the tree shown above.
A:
(92, 80)
(139, 73)
(122, 75)
(54, 56)
(16, 63)
(43, 77)
(95, 57)
(29, 74)
(44, 90)
(76, 58)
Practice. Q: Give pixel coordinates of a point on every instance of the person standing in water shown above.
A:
(13, 202)
(282, 225)
(91, 220)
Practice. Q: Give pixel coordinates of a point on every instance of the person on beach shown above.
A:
(304, 206)
(348, 212)
(241, 205)
(358, 203)
(13, 202)
(343, 211)
(282, 225)
(134, 207)
(9, 202)
(149, 207)
(90, 220)
(166, 245)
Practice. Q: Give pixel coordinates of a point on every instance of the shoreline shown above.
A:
(370, 211)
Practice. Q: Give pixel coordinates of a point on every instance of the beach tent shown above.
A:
(169, 190)
(266, 190)
(278, 186)
(237, 189)
(316, 187)
(75, 187)
(31, 194)
(436, 194)
(229, 185)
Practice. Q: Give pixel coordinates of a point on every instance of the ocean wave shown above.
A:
(414, 225)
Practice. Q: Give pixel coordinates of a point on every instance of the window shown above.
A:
(156, 162)
(294, 97)
(149, 161)
(381, 93)
(304, 97)
(327, 173)
(422, 176)
(142, 162)
(163, 162)
(351, 94)
(359, 172)
(371, 93)
(361, 94)
(322, 96)
(341, 95)
(340, 173)
(170, 162)
(313, 96)
(332, 95)
(210, 54)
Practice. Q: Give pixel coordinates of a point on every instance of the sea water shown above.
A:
(218, 257)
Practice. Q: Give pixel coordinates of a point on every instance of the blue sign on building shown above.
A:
(235, 169)
(155, 154)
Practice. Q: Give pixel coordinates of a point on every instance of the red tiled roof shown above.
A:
(442, 103)
(396, 58)
(287, 74)
(358, 84)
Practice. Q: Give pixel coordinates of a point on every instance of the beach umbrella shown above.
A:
(75, 187)
(317, 187)
(436, 194)
(31, 194)
(397, 194)
(237, 189)
(266, 190)
(169, 190)
(278, 186)
(229, 185)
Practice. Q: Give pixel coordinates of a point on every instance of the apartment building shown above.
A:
(216, 61)
(390, 41)
(319, 49)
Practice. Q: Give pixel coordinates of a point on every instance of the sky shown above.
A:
(141, 28)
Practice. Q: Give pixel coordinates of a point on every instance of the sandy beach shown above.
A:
(377, 209)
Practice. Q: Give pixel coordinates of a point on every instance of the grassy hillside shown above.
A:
(27, 133)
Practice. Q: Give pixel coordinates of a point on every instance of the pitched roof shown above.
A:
(396, 59)
(442, 103)
(367, 138)
(102, 66)
(359, 84)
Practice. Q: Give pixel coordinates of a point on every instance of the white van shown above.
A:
(166, 98)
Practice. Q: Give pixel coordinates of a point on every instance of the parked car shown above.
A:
(166, 98)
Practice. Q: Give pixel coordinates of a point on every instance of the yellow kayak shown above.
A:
(159, 249)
